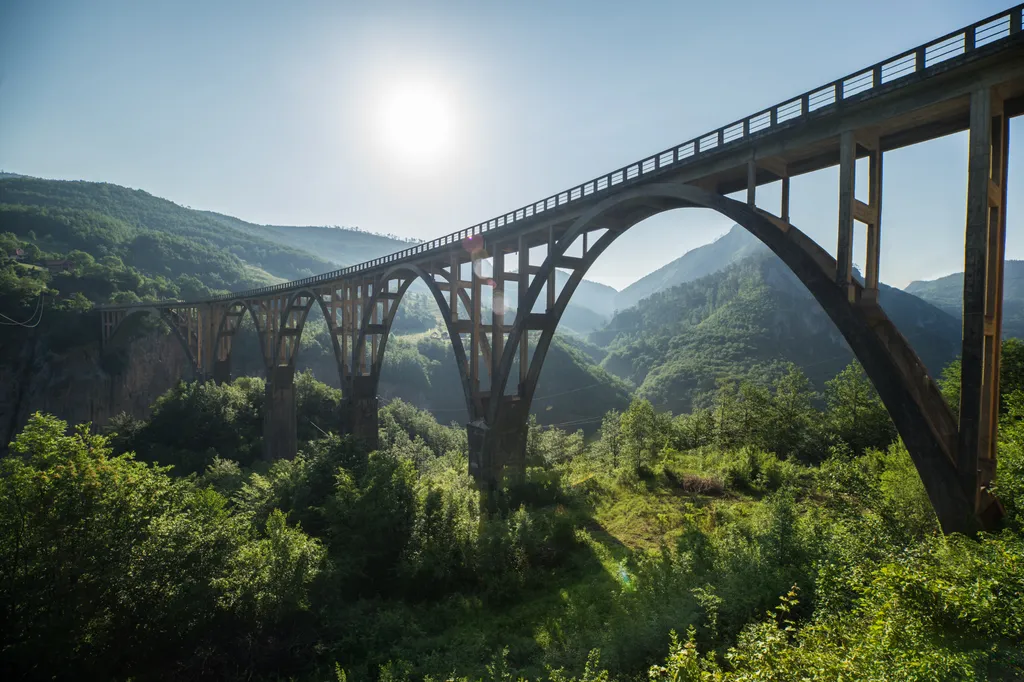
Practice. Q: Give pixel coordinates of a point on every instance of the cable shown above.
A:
(38, 311)
(326, 435)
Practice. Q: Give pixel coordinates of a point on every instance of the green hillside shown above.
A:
(947, 293)
(342, 246)
(732, 247)
(753, 317)
(138, 213)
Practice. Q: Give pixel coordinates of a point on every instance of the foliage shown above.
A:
(751, 319)
(786, 539)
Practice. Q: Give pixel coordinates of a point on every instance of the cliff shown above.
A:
(82, 383)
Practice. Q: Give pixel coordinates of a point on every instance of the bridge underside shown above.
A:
(500, 341)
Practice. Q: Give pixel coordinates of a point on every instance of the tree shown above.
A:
(638, 429)
(792, 424)
(1011, 375)
(856, 414)
(105, 563)
(611, 437)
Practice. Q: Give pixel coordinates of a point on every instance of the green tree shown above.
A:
(856, 414)
(638, 428)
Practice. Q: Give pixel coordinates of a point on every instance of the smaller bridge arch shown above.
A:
(183, 322)
(227, 321)
(381, 331)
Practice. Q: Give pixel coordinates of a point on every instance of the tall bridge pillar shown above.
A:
(498, 451)
(359, 410)
(984, 247)
(280, 440)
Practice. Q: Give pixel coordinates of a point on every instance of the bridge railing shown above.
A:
(882, 76)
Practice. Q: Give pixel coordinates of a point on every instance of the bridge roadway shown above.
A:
(971, 79)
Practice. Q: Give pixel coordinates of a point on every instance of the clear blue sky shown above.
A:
(272, 111)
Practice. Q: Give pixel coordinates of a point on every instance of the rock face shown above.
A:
(83, 383)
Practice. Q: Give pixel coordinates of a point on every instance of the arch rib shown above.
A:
(290, 307)
(912, 398)
(456, 340)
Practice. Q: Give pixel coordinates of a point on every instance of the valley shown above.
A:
(707, 467)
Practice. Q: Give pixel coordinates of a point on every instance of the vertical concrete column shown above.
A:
(983, 299)
(359, 409)
(280, 440)
(847, 179)
(497, 451)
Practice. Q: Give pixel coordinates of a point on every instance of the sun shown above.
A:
(416, 122)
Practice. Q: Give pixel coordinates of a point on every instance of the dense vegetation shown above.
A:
(777, 535)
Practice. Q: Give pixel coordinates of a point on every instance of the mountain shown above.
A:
(342, 246)
(751, 317)
(731, 247)
(123, 216)
(947, 293)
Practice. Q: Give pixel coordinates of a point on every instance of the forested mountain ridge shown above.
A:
(342, 246)
(732, 247)
(128, 213)
(752, 317)
(947, 293)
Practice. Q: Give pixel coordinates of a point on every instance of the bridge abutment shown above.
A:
(359, 411)
(498, 451)
(280, 440)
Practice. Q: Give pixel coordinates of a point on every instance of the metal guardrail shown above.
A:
(854, 86)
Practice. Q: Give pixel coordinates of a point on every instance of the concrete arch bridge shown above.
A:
(969, 80)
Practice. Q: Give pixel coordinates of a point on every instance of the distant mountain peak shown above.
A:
(732, 247)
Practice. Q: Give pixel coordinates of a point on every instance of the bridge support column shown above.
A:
(983, 300)
(280, 440)
(498, 451)
(360, 411)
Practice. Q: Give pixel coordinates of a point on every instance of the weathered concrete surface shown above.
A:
(498, 452)
(359, 411)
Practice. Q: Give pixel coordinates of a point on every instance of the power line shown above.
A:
(38, 311)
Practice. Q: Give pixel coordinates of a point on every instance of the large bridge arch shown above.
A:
(921, 415)
(412, 273)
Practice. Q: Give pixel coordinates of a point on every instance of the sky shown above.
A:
(422, 118)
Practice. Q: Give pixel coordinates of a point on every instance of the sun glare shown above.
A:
(416, 124)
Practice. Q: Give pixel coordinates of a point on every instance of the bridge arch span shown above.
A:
(298, 304)
(922, 417)
(227, 326)
(414, 272)
(173, 320)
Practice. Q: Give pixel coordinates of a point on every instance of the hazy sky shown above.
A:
(285, 112)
